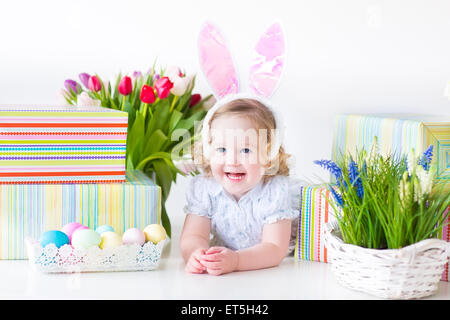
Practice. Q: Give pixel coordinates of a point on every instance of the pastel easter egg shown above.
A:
(58, 238)
(104, 228)
(155, 233)
(110, 239)
(70, 228)
(133, 235)
(85, 238)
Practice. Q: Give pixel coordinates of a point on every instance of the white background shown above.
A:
(343, 56)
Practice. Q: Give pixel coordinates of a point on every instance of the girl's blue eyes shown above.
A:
(223, 150)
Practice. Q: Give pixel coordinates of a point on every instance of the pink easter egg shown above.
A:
(133, 235)
(70, 228)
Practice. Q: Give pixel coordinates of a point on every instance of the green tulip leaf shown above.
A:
(155, 142)
(189, 122)
(163, 176)
(129, 163)
(161, 115)
(174, 119)
(135, 134)
(155, 156)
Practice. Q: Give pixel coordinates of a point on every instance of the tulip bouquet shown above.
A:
(387, 202)
(161, 110)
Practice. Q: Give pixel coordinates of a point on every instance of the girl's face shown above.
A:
(234, 154)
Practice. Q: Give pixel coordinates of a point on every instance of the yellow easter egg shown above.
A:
(155, 233)
(110, 239)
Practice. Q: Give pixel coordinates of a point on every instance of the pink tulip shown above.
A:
(147, 94)
(94, 84)
(125, 86)
(163, 86)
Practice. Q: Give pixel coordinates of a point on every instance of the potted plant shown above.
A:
(159, 104)
(390, 213)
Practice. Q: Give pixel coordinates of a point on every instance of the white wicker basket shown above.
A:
(407, 273)
(66, 259)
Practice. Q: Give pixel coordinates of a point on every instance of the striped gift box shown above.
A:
(66, 144)
(28, 210)
(397, 134)
(314, 213)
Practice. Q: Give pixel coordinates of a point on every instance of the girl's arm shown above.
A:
(272, 249)
(269, 253)
(195, 235)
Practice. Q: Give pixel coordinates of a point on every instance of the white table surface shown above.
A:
(290, 280)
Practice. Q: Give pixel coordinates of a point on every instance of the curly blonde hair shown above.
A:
(263, 118)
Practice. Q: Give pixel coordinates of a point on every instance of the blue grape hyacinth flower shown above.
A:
(337, 197)
(332, 167)
(355, 179)
(426, 158)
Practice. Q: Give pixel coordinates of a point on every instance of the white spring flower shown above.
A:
(411, 161)
(404, 189)
(425, 182)
(374, 151)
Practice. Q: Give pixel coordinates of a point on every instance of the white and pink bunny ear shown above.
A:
(216, 61)
(268, 62)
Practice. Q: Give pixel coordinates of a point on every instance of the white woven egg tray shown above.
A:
(66, 259)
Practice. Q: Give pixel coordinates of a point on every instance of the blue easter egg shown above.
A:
(104, 228)
(58, 238)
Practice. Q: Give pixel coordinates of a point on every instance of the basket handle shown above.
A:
(410, 251)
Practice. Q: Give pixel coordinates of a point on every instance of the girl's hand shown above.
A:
(219, 260)
(193, 265)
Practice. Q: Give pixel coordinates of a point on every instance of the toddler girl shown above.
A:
(242, 196)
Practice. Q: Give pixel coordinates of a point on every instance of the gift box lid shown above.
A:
(423, 118)
(46, 109)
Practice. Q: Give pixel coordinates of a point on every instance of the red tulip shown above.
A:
(196, 98)
(125, 86)
(94, 84)
(147, 94)
(163, 86)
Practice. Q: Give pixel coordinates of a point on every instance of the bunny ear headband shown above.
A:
(265, 72)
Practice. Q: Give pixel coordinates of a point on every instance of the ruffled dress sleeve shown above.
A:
(197, 197)
(276, 201)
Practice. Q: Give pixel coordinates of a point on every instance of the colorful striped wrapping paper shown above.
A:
(396, 134)
(30, 210)
(314, 213)
(64, 144)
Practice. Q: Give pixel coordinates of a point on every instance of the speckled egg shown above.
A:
(58, 238)
(104, 228)
(132, 236)
(70, 228)
(110, 240)
(85, 238)
(155, 233)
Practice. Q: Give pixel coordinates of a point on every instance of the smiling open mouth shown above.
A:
(235, 176)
